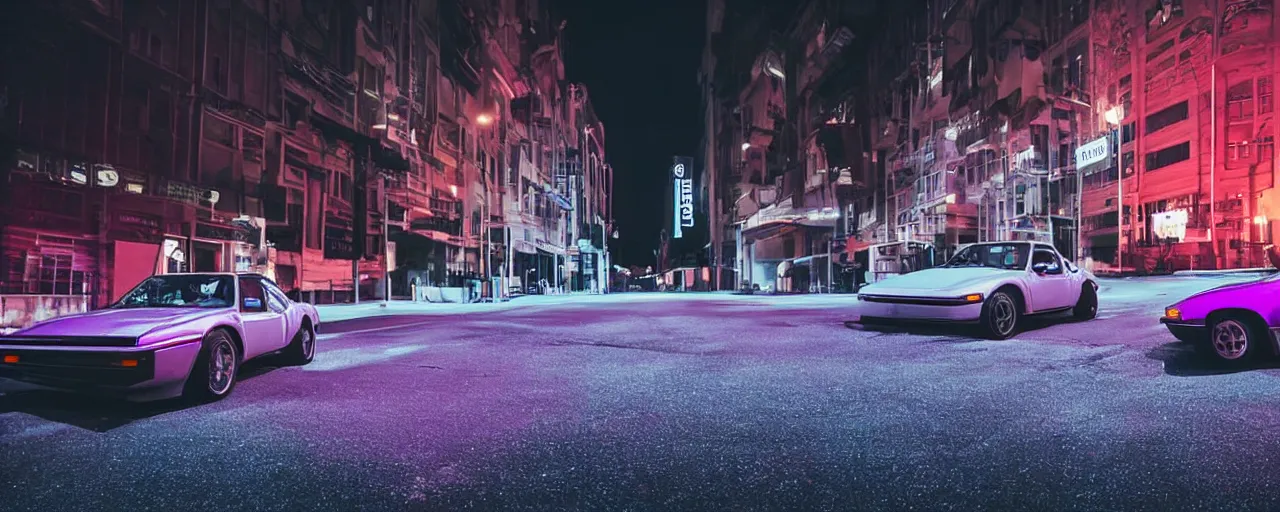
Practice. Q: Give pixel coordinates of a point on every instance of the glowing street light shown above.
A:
(1114, 115)
(484, 119)
(746, 146)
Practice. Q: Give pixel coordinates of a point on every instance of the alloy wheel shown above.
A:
(308, 343)
(222, 367)
(1004, 314)
(1230, 339)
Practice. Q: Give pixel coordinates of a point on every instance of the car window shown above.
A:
(253, 298)
(276, 298)
(1048, 257)
(181, 290)
(1008, 256)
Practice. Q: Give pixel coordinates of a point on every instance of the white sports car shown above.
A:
(994, 284)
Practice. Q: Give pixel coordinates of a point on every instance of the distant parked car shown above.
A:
(1235, 323)
(172, 335)
(993, 284)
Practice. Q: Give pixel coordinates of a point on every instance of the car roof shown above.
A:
(228, 274)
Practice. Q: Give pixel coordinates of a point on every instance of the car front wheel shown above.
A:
(214, 375)
(1234, 340)
(1000, 316)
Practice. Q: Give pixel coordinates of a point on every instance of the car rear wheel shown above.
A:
(1000, 316)
(303, 347)
(1235, 340)
(214, 374)
(1087, 306)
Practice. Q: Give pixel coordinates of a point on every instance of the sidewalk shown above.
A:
(1234, 271)
(341, 312)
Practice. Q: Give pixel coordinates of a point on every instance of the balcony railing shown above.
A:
(335, 88)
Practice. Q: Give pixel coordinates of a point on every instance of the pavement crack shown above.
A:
(620, 346)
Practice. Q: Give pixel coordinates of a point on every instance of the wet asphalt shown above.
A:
(681, 402)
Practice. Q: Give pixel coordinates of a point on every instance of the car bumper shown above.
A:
(1198, 332)
(154, 371)
(874, 311)
(1190, 332)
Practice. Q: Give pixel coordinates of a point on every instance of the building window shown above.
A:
(1127, 133)
(1265, 104)
(1168, 156)
(1165, 118)
(340, 185)
(1101, 178)
(219, 131)
(1240, 101)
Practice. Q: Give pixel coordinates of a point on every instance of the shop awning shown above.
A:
(769, 230)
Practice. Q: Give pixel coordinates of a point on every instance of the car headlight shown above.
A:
(1173, 313)
(973, 298)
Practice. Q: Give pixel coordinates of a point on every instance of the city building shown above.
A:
(783, 157)
(986, 120)
(349, 149)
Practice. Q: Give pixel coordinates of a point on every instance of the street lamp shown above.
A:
(486, 243)
(1113, 117)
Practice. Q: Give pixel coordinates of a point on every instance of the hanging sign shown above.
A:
(682, 185)
(1095, 151)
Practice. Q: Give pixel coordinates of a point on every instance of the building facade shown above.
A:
(987, 120)
(346, 148)
(784, 159)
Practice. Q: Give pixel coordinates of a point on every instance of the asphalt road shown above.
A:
(680, 402)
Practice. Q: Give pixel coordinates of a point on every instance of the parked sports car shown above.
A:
(1235, 323)
(993, 284)
(172, 335)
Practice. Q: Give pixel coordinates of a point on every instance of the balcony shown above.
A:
(334, 93)
(1031, 162)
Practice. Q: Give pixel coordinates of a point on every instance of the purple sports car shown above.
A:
(172, 335)
(1238, 321)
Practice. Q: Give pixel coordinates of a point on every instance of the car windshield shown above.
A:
(1001, 256)
(181, 291)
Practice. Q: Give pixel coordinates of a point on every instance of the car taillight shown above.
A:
(1173, 313)
(10, 358)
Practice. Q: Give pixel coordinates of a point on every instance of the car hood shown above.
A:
(1225, 289)
(125, 322)
(939, 279)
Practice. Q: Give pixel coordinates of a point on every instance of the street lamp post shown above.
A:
(386, 241)
(486, 243)
(1114, 116)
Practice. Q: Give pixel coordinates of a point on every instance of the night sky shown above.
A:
(639, 60)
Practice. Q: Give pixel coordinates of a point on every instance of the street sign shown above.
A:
(1095, 151)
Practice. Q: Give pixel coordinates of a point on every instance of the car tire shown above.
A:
(1087, 306)
(214, 375)
(303, 347)
(1000, 316)
(1235, 339)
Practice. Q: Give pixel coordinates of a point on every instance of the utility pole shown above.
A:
(386, 241)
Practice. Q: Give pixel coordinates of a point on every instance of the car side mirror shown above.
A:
(1040, 268)
(252, 303)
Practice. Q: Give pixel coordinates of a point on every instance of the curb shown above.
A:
(1224, 272)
